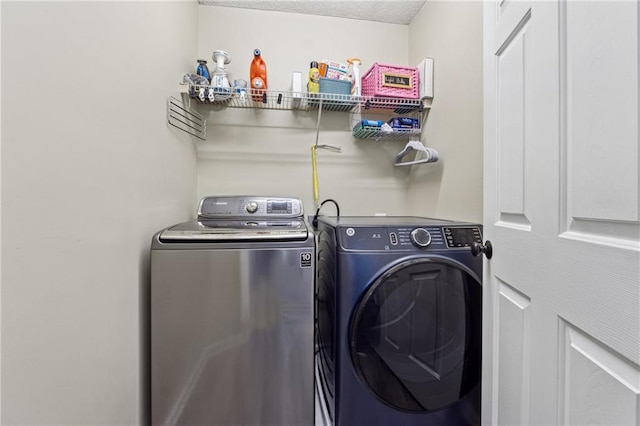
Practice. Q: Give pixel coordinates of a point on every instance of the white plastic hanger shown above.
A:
(430, 154)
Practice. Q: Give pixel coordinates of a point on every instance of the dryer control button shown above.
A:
(421, 237)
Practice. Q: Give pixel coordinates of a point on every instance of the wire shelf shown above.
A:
(286, 100)
(358, 107)
(367, 132)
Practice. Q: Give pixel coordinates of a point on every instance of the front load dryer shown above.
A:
(399, 306)
(232, 316)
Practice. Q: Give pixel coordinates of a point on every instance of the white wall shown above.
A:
(451, 33)
(90, 171)
(268, 152)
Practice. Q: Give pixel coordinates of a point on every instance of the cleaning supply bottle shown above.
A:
(258, 75)
(220, 76)
(314, 78)
(203, 70)
(353, 72)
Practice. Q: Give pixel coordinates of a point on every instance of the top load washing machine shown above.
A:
(232, 316)
(399, 307)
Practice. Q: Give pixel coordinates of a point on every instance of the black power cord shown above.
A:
(314, 222)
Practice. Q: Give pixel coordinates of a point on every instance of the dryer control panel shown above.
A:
(458, 237)
(369, 238)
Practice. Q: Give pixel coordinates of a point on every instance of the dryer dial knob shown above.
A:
(252, 207)
(421, 237)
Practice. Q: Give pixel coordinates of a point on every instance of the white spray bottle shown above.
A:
(353, 72)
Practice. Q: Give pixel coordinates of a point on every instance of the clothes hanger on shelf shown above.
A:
(429, 155)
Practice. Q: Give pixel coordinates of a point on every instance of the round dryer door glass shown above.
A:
(416, 335)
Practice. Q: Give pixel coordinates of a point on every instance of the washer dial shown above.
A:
(252, 207)
(420, 237)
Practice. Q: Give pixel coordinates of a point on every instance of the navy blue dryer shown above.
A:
(399, 331)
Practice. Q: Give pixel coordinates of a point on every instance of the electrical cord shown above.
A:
(314, 222)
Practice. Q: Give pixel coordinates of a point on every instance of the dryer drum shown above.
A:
(416, 337)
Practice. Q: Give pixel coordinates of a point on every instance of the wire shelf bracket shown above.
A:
(185, 119)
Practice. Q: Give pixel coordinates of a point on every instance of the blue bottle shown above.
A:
(203, 70)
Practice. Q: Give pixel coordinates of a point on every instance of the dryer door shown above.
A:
(416, 335)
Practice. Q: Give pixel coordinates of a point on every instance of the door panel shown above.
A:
(599, 94)
(512, 62)
(513, 341)
(598, 386)
(561, 197)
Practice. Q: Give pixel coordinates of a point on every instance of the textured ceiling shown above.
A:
(390, 11)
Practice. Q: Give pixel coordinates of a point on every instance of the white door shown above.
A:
(561, 207)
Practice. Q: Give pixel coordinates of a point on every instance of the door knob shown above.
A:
(487, 249)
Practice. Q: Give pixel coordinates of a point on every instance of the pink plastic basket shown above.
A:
(391, 80)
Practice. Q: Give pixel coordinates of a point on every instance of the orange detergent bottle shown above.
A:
(258, 75)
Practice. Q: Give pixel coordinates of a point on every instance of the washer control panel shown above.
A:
(372, 238)
(246, 206)
(463, 236)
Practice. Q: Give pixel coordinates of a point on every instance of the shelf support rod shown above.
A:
(318, 123)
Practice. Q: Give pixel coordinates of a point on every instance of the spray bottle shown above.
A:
(314, 78)
(258, 75)
(353, 72)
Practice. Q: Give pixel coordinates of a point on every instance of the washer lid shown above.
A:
(234, 230)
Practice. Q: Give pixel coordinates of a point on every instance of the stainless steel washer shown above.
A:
(232, 316)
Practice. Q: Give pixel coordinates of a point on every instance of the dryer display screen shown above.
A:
(462, 236)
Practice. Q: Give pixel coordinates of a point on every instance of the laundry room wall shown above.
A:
(265, 152)
(90, 170)
(451, 33)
